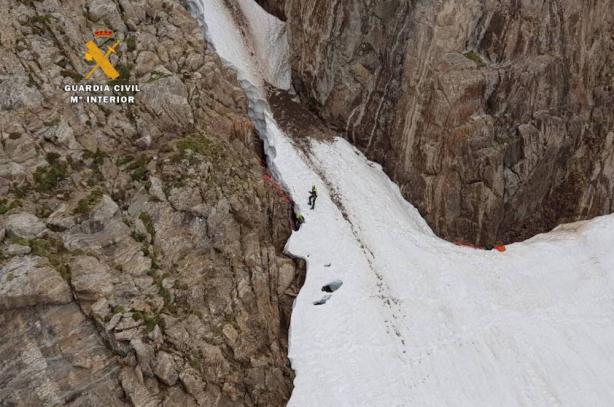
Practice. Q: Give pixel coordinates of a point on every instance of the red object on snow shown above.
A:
(501, 248)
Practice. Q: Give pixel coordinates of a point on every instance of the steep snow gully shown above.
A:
(389, 314)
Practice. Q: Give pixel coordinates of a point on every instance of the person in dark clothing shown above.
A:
(296, 219)
(312, 197)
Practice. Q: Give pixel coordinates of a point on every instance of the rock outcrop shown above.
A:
(30, 281)
(140, 246)
(492, 116)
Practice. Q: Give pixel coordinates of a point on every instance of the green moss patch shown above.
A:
(85, 205)
(6, 206)
(148, 222)
(124, 75)
(198, 144)
(52, 249)
(46, 179)
(138, 168)
(475, 57)
(150, 320)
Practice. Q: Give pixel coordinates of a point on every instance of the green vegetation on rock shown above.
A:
(6, 206)
(51, 248)
(85, 205)
(138, 168)
(474, 56)
(150, 320)
(198, 144)
(97, 157)
(47, 178)
(124, 75)
(148, 222)
(131, 43)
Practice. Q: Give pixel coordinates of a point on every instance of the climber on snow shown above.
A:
(312, 197)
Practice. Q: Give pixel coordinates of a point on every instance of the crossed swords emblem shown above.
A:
(102, 59)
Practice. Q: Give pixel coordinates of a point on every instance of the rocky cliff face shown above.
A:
(492, 116)
(140, 248)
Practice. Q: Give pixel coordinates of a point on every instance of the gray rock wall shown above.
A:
(492, 116)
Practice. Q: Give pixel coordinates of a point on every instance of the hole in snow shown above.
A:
(323, 300)
(332, 286)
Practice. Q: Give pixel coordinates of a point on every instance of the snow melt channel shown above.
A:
(414, 320)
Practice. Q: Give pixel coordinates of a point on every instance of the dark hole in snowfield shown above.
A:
(332, 286)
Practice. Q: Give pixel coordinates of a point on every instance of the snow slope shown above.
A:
(248, 38)
(428, 323)
(418, 321)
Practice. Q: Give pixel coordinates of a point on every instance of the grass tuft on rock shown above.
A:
(149, 319)
(149, 225)
(46, 179)
(475, 57)
(97, 157)
(54, 251)
(124, 75)
(131, 43)
(85, 205)
(6, 206)
(138, 168)
(198, 145)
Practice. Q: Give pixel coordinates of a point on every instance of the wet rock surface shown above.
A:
(140, 249)
(493, 117)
